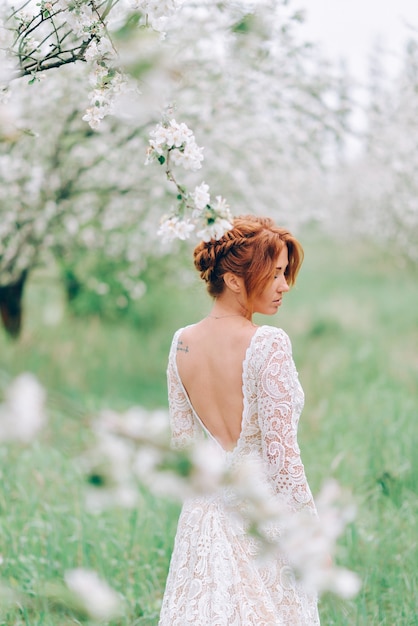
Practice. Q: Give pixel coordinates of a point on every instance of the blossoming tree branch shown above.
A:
(36, 38)
(75, 116)
(173, 143)
(133, 449)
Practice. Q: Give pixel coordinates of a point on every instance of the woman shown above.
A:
(236, 383)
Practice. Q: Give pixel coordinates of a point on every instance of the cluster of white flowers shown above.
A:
(88, 29)
(175, 143)
(107, 80)
(107, 83)
(175, 228)
(201, 196)
(212, 222)
(311, 543)
(32, 221)
(108, 466)
(134, 449)
(209, 222)
(82, 19)
(95, 595)
(217, 220)
(122, 455)
(22, 415)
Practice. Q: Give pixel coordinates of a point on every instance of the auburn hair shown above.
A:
(248, 250)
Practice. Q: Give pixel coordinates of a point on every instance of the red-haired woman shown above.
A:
(236, 383)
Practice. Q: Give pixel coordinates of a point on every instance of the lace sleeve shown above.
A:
(182, 422)
(280, 402)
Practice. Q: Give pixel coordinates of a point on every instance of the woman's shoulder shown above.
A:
(269, 342)
(181, 330)
(269, 339)
(273, 333)
(178, 336)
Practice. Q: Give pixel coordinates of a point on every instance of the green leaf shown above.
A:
(161, 159)
(245, 25)
(96, 479)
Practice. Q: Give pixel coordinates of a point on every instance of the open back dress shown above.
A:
(215, 577)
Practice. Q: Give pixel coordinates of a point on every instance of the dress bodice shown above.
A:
(272, 403)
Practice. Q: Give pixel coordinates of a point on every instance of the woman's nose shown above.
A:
(283, 286)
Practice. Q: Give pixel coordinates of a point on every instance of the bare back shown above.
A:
(210, 358)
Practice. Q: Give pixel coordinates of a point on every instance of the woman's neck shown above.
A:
(229, 307)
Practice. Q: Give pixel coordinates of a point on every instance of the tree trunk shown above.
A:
(72, 285)
(11, 305)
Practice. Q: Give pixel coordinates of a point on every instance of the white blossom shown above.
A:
(82, 19)
(179, 141)
(175, 228)
(201, 196)
(179, 135)
(102, 499)
(214, 230)
(99, 49)
(311, 543)
(22, 415)
(190, 157)
(135, 423)
(118, 454)
(93, 116)
(24, 17)
(96, 596)
(170, 135)
(222, 208)
(128, 447)
(208, 467)
(146, 462)
(342, 582)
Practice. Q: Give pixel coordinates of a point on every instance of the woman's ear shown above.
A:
(233, 282)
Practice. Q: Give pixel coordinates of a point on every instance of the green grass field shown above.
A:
(353, 321)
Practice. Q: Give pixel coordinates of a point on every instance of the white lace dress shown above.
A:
(214, 578)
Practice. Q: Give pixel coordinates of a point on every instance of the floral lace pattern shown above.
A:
(214, 578)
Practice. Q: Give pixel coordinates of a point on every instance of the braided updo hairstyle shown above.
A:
(248, 250)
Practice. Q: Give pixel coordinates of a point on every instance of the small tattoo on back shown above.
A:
(181, 347)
